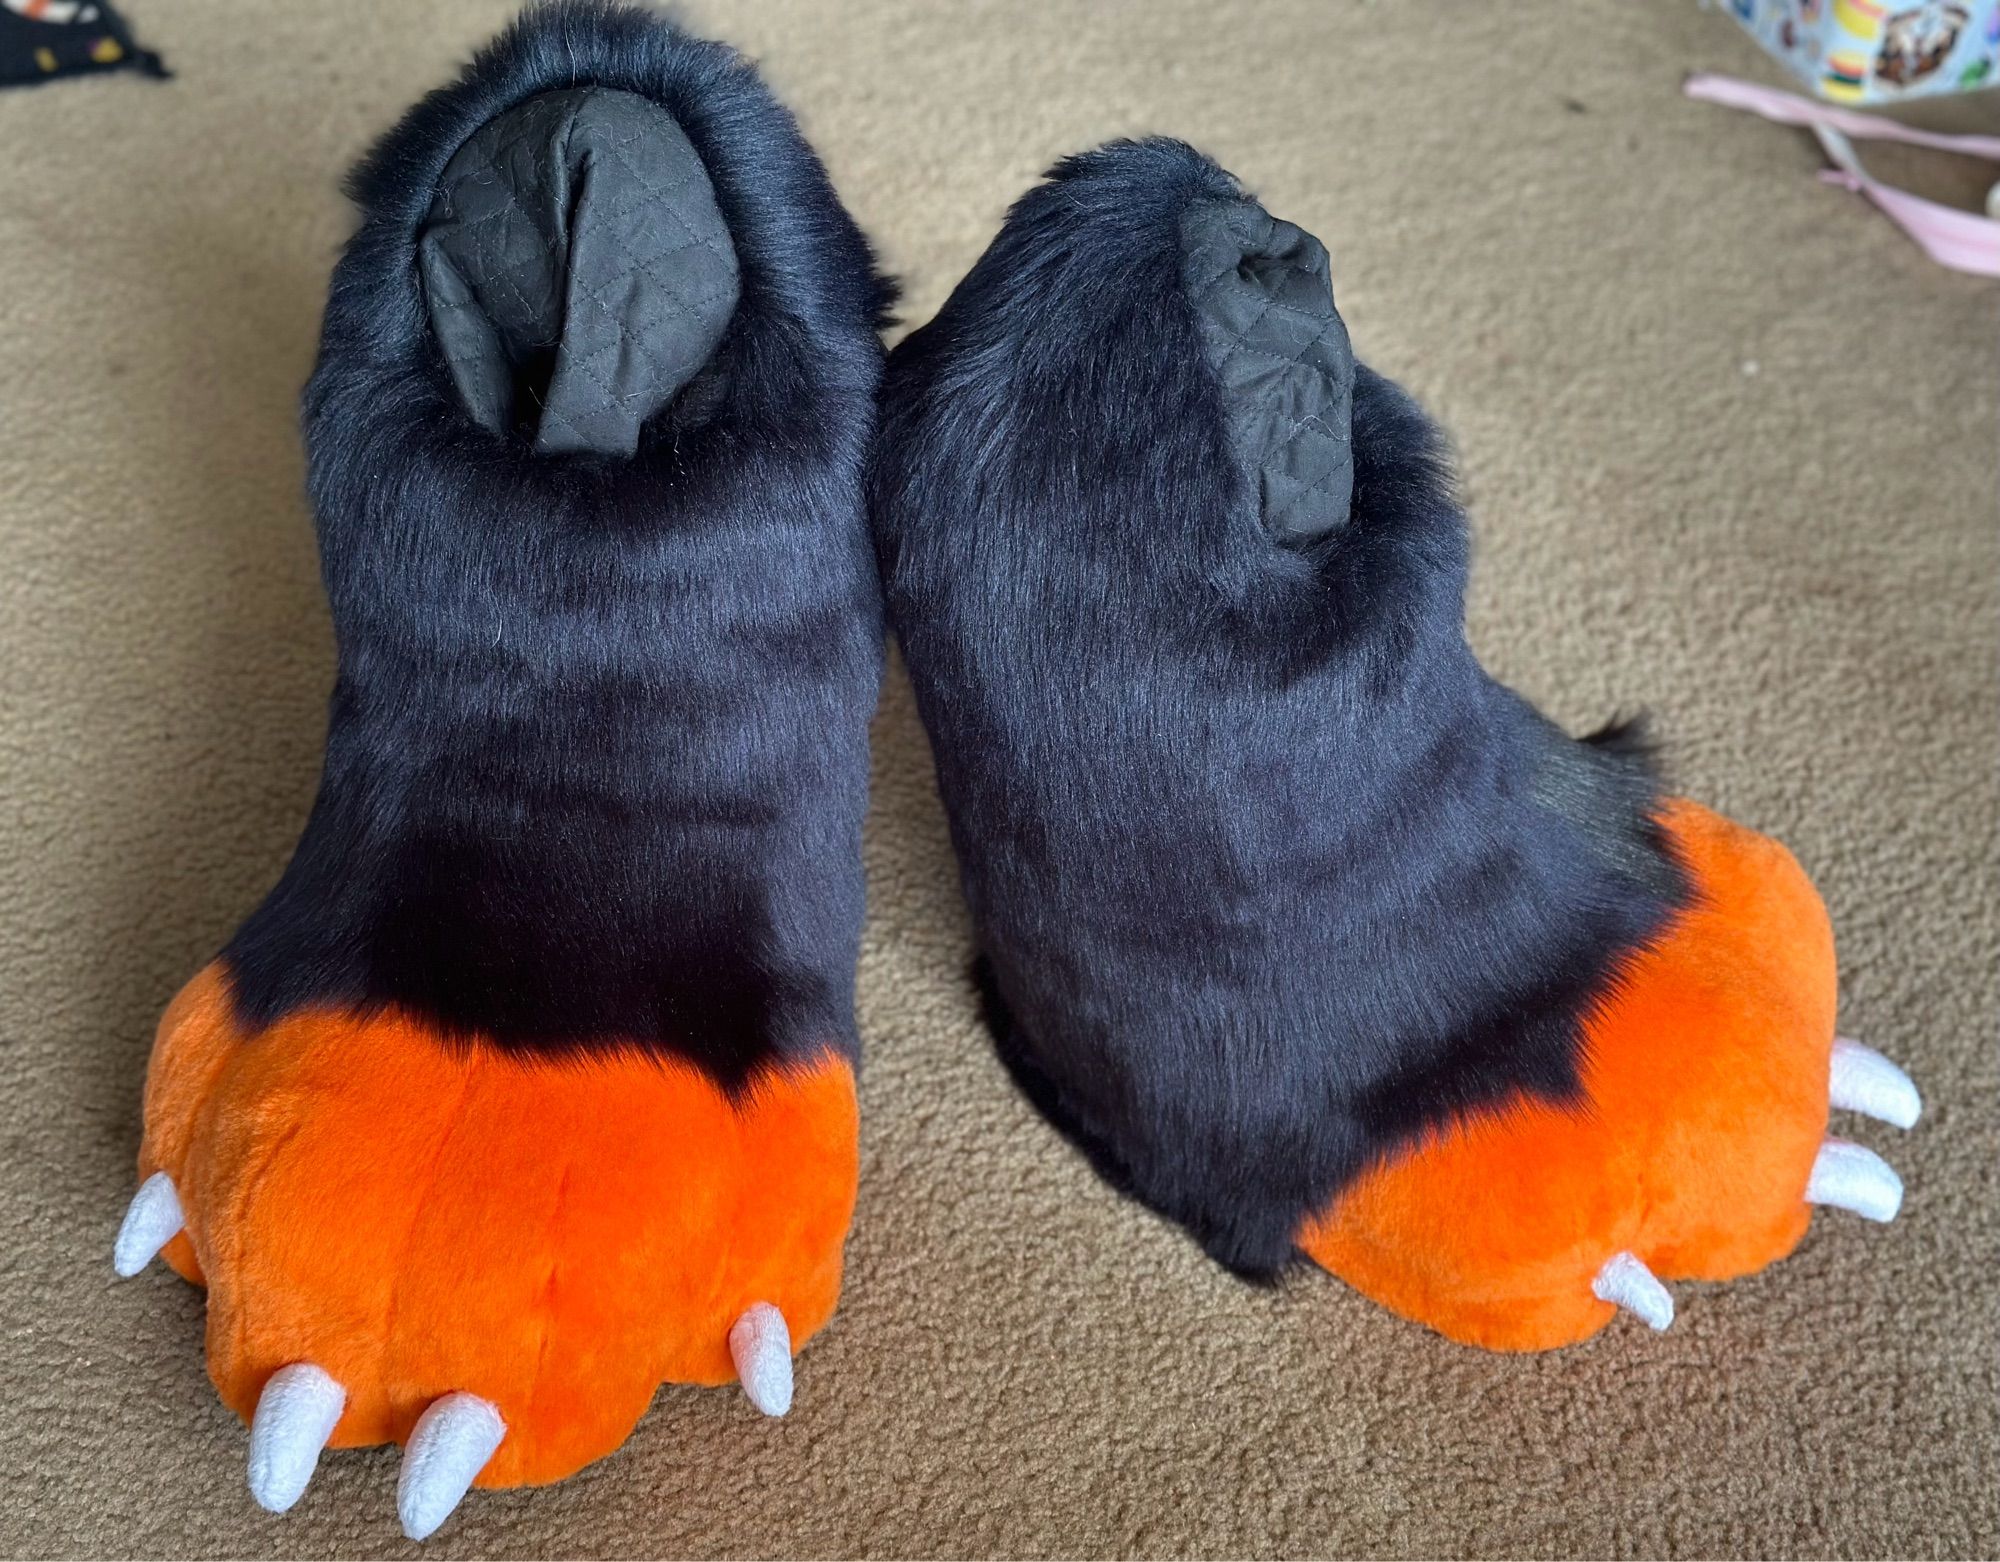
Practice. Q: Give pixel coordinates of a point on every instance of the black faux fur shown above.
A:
(1269, 878)
(597, 757)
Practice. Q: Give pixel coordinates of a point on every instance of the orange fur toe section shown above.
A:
(557, 1236)
(1706, 1101)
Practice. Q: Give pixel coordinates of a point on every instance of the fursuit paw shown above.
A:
(491, 1260)
(1698, 1153)
(528, 1087)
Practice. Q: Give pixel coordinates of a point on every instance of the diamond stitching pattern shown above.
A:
(628, 329)
(1314, 460)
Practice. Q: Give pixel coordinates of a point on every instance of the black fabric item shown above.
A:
(1267, 876)
(1262, 294)
(597, 757)
(576, 269)
(70, 38)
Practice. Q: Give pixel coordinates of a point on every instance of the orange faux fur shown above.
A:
(416, 1217)
(1706, 1082)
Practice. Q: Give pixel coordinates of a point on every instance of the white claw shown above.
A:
(1849, 1176)
(1866, 1082)
(151, 1222)
(1626, 1282)
(295, 1416)
(761, 1347)
(449, 1445)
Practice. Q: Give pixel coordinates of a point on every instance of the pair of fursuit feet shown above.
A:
(530, 1087)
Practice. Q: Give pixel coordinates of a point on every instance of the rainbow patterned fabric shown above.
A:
(1879, 51)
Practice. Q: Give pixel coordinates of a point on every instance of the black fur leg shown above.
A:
(1268, 876)
(609, 629)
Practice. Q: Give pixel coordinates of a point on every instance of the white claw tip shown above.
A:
(1626, 1282)
(296, 1414)
(1850, 1176)
(449, 1445)
(151, 1222)
(761, 1347)
(1866, 1082)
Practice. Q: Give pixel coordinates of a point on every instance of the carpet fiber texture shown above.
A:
(1729, 445)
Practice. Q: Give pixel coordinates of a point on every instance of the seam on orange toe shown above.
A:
(195, 1024)
(545, 1297)
(398, 1420)
(232, 1379)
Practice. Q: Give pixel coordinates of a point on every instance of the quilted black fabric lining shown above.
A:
(1263, 294)
(576, 269)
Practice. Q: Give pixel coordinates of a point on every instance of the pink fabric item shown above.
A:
(1958, 239)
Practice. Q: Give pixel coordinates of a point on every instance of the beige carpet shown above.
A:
(1730, 444)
